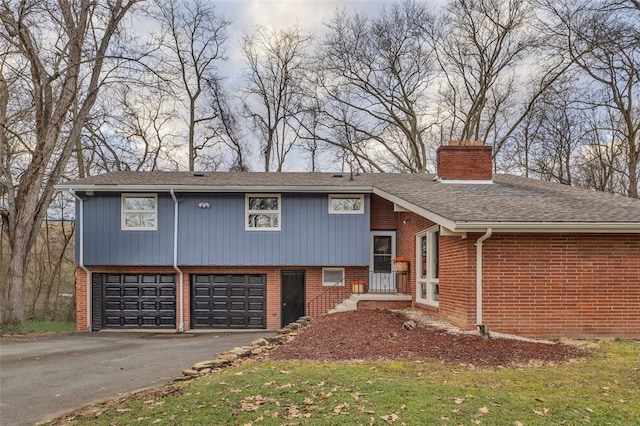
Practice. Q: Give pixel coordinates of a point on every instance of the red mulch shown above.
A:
(378, 335)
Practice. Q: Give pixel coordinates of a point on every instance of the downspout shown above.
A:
(175, 261)
(86, 270)
(479, 320)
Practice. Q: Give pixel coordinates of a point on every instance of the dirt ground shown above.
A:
(379, 335)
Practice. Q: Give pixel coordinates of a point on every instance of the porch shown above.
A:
(361, 287)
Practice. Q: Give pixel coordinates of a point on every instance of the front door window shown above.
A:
(383, 249)
(382, 253)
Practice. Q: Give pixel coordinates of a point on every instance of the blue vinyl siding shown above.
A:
(309, 235)
(217, 236)
(106, 244)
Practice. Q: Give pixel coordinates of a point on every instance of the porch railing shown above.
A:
(358, 282)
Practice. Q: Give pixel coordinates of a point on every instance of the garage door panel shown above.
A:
(131, 278)
(237, 306)
(137, 300)
(220, 305)
(200, 291)
(112, 291)
(255, 306)
(129, 291)
(228, 301)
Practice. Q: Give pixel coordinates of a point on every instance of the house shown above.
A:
(181, 250)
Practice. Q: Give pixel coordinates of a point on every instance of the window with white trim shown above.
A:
(262, 212)
(427, 266)
(139, 212)
(332, 277)
(346, 204)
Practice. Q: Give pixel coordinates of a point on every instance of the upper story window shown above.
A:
(139, 212)
(262, 212)
(346, 204)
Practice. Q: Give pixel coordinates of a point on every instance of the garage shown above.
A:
(133, 301)
(228, 301)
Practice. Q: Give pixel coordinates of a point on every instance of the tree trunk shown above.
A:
(14, 306)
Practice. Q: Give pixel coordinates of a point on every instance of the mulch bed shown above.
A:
(378, 335)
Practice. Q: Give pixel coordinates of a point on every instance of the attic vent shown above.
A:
(337, 175)
(198, 174)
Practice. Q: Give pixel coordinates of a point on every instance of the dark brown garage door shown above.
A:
(134, 301)
(228, 301)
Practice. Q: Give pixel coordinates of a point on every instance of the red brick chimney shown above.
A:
(466, 161)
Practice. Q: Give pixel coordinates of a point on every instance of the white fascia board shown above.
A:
(218, 189)
(433, 217)
(550, 227)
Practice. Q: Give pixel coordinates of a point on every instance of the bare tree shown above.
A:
(227, 128)
(193, 43)
(48, 54)
(495, 68)
(604, 42)
(130, 129)
(374, 87)
(277, 61)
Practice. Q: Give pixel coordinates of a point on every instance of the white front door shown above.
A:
(383, 249)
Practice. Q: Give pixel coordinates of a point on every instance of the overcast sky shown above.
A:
(245, 15)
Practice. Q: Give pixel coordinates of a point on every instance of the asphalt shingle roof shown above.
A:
(508, 199)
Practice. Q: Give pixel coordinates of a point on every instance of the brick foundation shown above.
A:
(313, 286)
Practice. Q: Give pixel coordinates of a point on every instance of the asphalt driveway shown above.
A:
(43, 378)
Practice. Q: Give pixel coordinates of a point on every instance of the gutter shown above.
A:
(330, 189)
(550, 227)
(81, 252)
(479, 319)
(175, 260)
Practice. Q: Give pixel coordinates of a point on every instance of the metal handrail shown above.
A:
(358, 282)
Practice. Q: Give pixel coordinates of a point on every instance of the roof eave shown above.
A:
(218, 188)
(549, 227)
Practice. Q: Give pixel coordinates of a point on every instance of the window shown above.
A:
(139, 212)
(333, 276)
(262, 212)
(346, 204)
(428, 273)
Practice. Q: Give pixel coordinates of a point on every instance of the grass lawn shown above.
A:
(603, 389)
(38, 327)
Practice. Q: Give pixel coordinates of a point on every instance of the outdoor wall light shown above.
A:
(204, 205)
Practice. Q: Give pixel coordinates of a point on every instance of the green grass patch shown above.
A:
(602, 389)
(34, 327)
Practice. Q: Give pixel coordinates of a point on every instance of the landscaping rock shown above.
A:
(409, 325)
(241, 351)
(228, 356)
(260, 342)
(201, 365)
(257, 348)
(219, 363)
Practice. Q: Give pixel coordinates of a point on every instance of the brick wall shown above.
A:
(382, 215)
(458, 280)
(578, 285)
(81, 300)
(313, 286)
